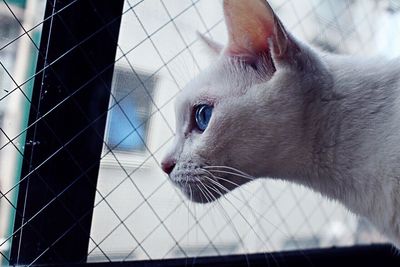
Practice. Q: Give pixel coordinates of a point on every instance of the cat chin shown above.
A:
(199, 198)
(201, 189)
(199, 192)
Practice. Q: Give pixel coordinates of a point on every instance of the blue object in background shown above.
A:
(128, 120)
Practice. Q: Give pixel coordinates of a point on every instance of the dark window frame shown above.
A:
(66, 130)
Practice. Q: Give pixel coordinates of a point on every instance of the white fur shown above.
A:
(329, 122)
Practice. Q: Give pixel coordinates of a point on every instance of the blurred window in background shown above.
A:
(130, 109)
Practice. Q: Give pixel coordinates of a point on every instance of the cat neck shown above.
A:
(352, 152)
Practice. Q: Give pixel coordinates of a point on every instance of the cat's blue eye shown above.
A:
(202, 116)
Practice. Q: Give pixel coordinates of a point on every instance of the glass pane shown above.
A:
(138, 213)
(18, 55)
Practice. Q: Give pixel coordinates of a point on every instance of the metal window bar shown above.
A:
(47, 194)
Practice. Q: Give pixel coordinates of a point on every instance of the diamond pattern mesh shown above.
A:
(138, 214)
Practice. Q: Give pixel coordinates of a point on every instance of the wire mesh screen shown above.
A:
(138, 214)
(158, 53)
(20, 28)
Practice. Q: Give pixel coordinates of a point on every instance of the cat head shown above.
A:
(244, 116)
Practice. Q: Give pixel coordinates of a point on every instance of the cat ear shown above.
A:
(213, 46)
(253, 28)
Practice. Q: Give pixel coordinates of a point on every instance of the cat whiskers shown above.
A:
(211, 199)
(207, 187)
(209, 182)
(238, 210)
(226, 190)
(214, 181)
(228, 170)
(213, 186)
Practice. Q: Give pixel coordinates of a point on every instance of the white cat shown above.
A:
(272, 106)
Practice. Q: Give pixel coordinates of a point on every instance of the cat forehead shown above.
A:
(226, 77)
(195, 92)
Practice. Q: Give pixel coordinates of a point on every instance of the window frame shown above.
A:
(46, 228)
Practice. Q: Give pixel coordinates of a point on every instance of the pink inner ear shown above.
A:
(250, 24)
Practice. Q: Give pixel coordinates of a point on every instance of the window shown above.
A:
(129, 110)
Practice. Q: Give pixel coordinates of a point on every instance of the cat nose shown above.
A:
(167, 166)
